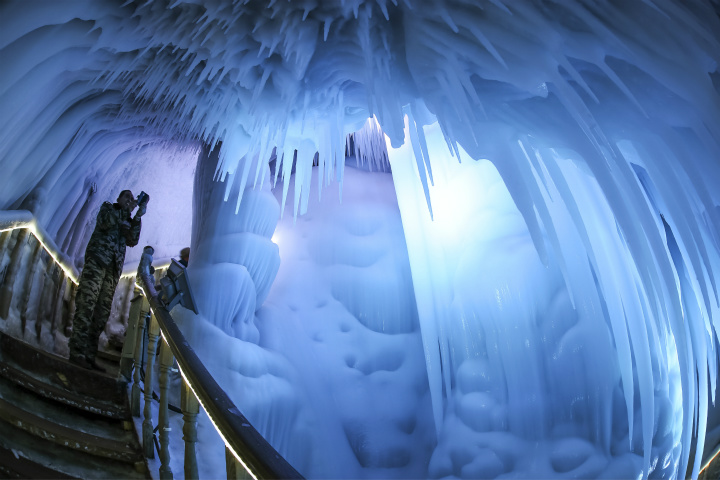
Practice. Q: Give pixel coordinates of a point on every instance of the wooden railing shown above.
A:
(29, 251)
(247, 453)
(39, 282)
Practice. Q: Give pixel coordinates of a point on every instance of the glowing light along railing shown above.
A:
(710, 460)
(20, 219)
(42, 237)
(249, 448)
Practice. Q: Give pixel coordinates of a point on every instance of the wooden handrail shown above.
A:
(255, 454)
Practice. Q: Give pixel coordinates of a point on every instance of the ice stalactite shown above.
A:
(513, 343)
(367, 146)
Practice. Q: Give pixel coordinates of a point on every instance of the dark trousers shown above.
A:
(93, 303)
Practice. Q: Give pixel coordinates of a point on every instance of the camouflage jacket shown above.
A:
(108, 241)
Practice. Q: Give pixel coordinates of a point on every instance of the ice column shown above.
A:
(232, 259)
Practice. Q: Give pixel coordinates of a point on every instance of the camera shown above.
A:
(143, 198)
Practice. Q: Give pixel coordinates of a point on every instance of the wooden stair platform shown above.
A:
(58, 420)
(57, 379)
(14, 465)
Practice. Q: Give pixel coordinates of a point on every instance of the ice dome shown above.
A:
(431, 238)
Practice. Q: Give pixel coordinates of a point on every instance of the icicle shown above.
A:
(418, 152)
(623, 88)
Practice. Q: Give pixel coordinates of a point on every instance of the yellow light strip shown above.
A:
(37, 233)
(717, 452)
(217, 429)
(32, 226)
(70, 274)
(133, 273)
(227, 444)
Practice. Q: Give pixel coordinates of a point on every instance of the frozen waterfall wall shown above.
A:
(605, 134)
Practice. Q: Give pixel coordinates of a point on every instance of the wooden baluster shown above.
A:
(47, 265)
(166, 362)
(235, 469)
(4, 238)
(153, 334)
(58, 300)
(129, 288)
(6, 291)
(190, 408)
(27, 288)
(139, 336)
(68, 319)
(127, 355)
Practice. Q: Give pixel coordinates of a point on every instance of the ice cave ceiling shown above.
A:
(102, 95)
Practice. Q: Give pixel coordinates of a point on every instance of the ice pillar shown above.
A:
(233, 262)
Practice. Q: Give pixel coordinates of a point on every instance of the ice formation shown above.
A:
(555, 165)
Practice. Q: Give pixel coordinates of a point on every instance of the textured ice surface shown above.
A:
(335, 379)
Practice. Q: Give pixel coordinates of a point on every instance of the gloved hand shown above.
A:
(142, 208)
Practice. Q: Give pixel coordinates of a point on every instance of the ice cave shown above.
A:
(429, 238)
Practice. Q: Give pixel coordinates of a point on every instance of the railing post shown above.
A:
(139, 335)
(153, 334)
(56, 317)
(129, 292)
(127, 356)
(42, 301)
(166, 361)
(190, 409)
(4, 237)
(6, 291)
(68, 320)
(27, 289)
(235, 470)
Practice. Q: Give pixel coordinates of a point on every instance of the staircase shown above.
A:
(58, 420)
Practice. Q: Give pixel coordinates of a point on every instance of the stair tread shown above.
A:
(13, 464)
(122, 450)
(55, 388)
(111, 356)
(61, 415)
(30, 449)
(51, 369)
